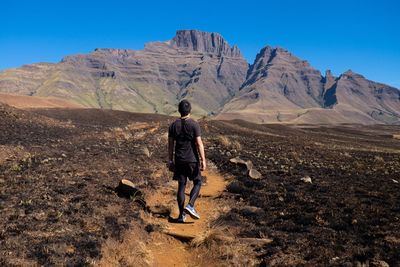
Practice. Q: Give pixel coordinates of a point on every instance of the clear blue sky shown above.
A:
(360, 35)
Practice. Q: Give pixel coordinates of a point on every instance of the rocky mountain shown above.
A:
(283, 88)
(203, 67)
(196, 65)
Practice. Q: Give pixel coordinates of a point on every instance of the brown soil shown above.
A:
(169, 244)
(205, 205)
(20, 101)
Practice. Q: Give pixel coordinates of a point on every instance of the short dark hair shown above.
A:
(184, 107)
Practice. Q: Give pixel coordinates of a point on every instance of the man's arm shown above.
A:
(171, 143)
(200, 147)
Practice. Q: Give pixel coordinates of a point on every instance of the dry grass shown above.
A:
(217, 235)
(222, 249)
(131, 252)
(229, 254)
(228, 143)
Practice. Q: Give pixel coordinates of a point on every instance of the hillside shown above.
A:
(26, 102)
(281, 88)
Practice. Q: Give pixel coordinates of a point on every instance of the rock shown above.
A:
(254, 174)
(248, 164)
(379, 263)
(229, 154)
(237, 160)
(127, 189)
(146, 151)
(307, 179)
(395, 181)
(194, 40)
(251, 171)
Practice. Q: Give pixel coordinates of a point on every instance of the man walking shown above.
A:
(184, 138)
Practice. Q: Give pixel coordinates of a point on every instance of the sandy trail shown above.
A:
(166, 248)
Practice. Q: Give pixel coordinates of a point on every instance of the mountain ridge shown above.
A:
(281, 87)
(203, 67)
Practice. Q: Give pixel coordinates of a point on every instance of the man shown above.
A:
(184, 137)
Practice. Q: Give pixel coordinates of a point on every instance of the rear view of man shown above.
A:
(184, 138)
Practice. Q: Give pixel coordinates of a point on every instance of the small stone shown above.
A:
(307, 179)
(248, 163)
(254, 174)
(229, 154)
(146, 152)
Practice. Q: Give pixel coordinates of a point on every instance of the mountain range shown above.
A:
(204, 68)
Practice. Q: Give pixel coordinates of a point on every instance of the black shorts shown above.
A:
(187, 170)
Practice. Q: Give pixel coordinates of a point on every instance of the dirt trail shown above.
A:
(166, 248)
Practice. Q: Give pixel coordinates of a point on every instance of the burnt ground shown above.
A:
(57, 178)
(349, 215)
(58, 169)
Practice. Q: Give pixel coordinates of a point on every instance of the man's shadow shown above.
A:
(175, 220)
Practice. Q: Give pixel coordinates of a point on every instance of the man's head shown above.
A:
(184, 108)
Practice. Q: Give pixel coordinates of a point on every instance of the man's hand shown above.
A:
(200, 148)
(171, 166)
(203, 165)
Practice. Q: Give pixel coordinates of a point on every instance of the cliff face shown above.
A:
(196, 65)
(214, 43)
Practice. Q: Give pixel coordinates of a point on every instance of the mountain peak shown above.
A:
(209, 42)
(351, 74)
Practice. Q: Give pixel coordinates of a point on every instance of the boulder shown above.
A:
(248, 164)
(127, 189)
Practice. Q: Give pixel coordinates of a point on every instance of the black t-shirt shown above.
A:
(184, 132)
